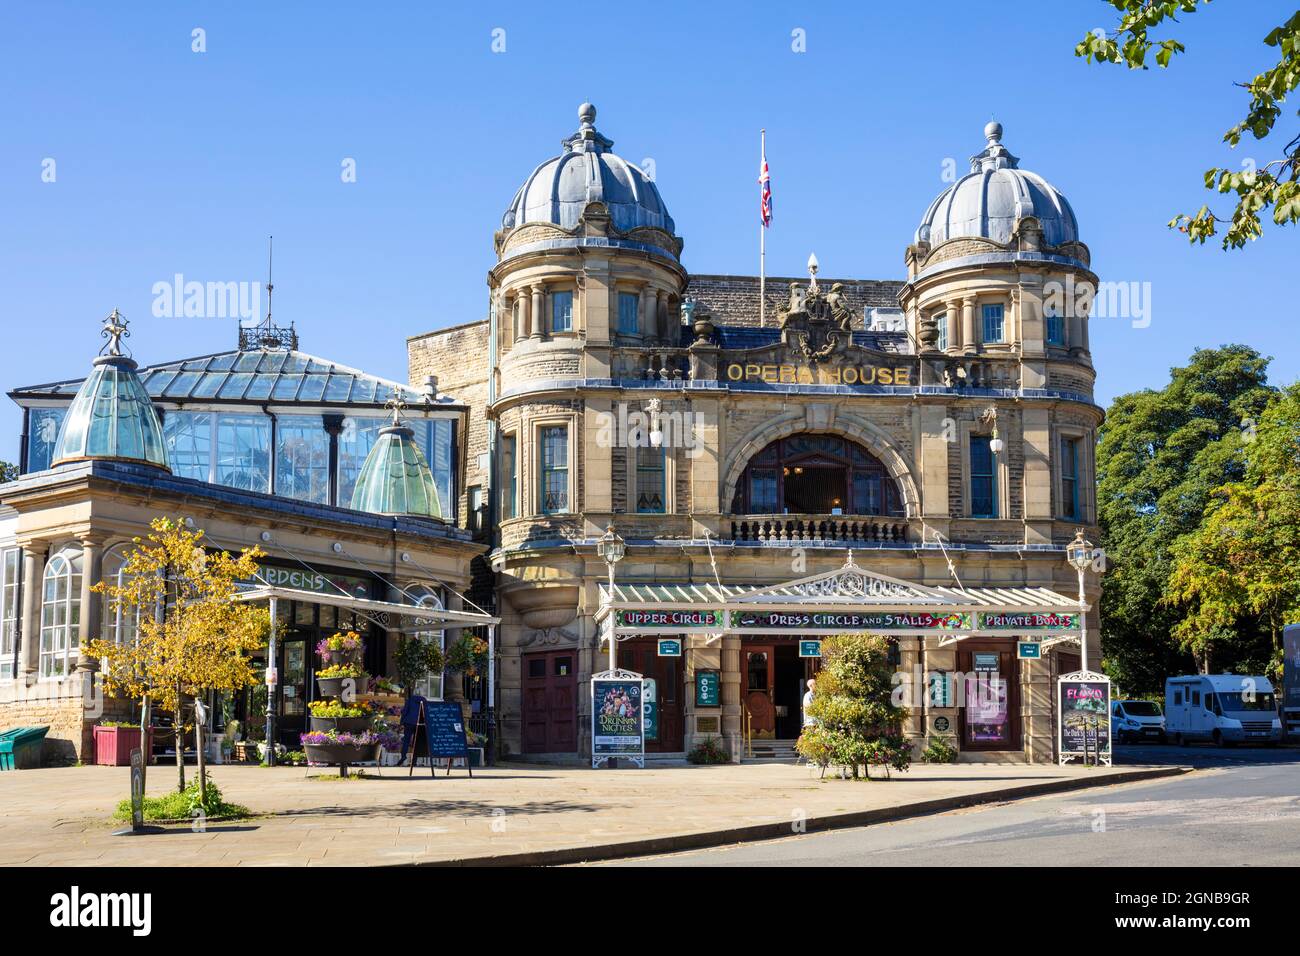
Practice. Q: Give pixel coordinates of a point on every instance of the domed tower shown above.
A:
(112, 415)
(588, 258)
(997, 269)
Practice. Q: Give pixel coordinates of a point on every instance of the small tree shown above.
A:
(192, 635)
(857, 725)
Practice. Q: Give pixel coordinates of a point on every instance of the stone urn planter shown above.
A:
(333, 686)
(341, 755)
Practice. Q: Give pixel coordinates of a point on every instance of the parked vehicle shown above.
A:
(1135, 720)
(1223, 708)
(1291, 680)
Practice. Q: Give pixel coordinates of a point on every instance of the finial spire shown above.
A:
(587, 139)
(270, 286)
(396, 404)
(114, 331)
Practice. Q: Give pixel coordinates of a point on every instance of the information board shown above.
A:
(1083, 717)
(708, 689)
(617, 717)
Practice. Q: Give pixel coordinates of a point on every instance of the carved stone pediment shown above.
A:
(816, 326)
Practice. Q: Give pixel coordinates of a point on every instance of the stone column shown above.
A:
(538, 315)
(909, 653)
(968, 339)
(453, 681)
(645, 315)
(954, 327)
(524, 318)
(731, 703)
(33, 569)
(1038, 728)
(92, 616)
(661, 319)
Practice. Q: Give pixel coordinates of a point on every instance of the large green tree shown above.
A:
(1274, 184)
(1244, 559)
(1160, 457)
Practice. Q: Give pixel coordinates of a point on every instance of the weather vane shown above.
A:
(114, 331)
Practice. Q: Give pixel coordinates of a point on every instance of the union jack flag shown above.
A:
(765, 195)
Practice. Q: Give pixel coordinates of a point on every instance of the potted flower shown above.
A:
(340, 748)
(114, 741)
(340, 648)
(354, 717)
(332, 680)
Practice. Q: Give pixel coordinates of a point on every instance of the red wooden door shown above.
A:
(757, 662)
(643, 658)
(550, 712)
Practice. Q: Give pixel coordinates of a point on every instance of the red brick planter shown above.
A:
(113, 745)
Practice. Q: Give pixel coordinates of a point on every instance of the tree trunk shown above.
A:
(198, 750)
(178, 736)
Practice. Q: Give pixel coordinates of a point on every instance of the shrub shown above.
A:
(708, 751)
(939, 750)
(186, 805)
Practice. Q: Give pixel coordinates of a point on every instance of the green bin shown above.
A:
(20, 748)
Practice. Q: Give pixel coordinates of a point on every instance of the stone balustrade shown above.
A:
(814, 529)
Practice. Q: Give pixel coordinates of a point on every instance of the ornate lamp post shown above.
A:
(611, 549)
(1078, 553)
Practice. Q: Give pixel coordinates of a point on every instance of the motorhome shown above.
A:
(1223, 708)
(1291, 679)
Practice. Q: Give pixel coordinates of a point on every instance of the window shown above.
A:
(9, 570)
(42, 434)
(650, 480)
(243, 457)
(61, 614)
(816, 475)
(429, 686)
(942, 319)
(437, 439)
(302, 458)
(356, 438)
(474, 502)
(509, 478)
(983, 479)
(561, 311)
(1070, 478)
(628, 304)
(1055, 326)
(120, 624)
(992, 323)
(554, 490)
(1178, 697)
(188, 437)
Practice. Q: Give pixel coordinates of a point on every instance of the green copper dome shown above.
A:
(112, 415)
(395, 479)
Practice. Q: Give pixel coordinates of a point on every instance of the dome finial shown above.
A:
(587, 139)
(993, 132)
(115, 330)
(587, 114)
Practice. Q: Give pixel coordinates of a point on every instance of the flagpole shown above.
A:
(762, 242)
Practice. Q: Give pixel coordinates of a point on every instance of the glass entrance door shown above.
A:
(990, 715)
(293, 691)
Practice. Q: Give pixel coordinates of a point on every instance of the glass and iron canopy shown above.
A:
(395, 479)
(112, 416)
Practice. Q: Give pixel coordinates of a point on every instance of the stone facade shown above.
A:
(694, 360)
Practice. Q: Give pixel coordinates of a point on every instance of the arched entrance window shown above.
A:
(816, 475)
(120, 624)
(61, 614)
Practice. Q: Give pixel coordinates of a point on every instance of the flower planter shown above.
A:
(334, 686)
(350, 725)
(341, 754)
(113, 745)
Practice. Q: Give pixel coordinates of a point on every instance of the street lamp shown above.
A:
(1078, 553)
(611, 549)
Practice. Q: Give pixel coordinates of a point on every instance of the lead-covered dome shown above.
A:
(587, 171)
(112, 416)
(987, 201)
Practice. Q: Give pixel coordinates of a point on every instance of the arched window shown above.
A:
(61, 614)
(430, 686)
(816, 475)
(119, 623)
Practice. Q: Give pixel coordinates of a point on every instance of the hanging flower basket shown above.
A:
(351, 725)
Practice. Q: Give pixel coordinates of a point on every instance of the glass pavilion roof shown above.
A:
(260, 376)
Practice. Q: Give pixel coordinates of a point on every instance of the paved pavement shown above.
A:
(61, 816)
(1233, 815)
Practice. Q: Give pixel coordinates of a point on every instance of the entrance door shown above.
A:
(990, 713)
(642, 656)
(293, 691)
(550, 713)
(757, 675)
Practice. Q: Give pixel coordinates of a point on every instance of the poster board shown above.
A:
(617, 717)
(1083, 717)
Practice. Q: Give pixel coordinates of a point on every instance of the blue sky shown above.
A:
(169, 161)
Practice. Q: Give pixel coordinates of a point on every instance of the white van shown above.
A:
(1135, 720)
(1223, 708)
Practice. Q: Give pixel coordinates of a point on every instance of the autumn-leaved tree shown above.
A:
(192, 636)
(1257, 188)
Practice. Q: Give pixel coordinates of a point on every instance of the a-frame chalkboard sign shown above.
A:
(440, 735)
